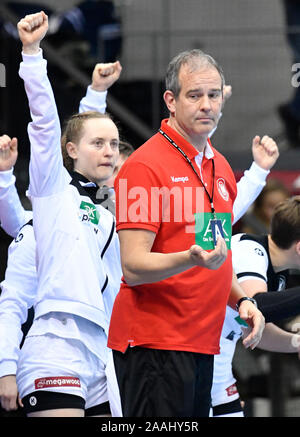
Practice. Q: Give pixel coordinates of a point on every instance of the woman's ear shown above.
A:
(72, 150)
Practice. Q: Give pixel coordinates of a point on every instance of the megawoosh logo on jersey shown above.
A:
(91, 214)
(203, 229)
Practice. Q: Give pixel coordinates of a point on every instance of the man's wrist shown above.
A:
(245, 298)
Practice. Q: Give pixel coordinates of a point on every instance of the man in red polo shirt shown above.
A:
(174, 199)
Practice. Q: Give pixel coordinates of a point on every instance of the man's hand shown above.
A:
(8, 152)
(256, 322)
(211, 260)
(105, 75)
(265, 152)
(32, 29)
(9, 393)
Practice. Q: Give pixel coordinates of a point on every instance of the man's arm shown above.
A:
(248, 312)
(275, 339)
(265, 154)
(141, 266)
(12, 214)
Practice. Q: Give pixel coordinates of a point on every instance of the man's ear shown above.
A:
(72, 150)
(170, 101)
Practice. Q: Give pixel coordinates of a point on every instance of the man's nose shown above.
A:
(205, 104)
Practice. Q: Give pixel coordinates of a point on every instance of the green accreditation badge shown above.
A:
(208, 228)
(90, 213)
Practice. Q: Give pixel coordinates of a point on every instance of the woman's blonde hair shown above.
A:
(73, 131)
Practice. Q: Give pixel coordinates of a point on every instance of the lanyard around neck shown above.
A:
(211, 197)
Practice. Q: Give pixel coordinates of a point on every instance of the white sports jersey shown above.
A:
(248, 188)
(12, 214)
(19, 288)
(250, 260)
(73, 234)
(17, 295)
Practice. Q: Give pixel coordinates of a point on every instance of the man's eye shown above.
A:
(215, 94)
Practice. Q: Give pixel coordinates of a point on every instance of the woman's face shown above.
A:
(270, 201)
(97, 151)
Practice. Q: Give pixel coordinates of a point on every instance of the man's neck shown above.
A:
(199, 143)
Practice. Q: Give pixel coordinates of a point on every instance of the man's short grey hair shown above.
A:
(195, 59)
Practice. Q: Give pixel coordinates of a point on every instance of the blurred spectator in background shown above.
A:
(20, 9)
(96, 22)
(93, 22)
(290, 111)
(125, 150)
(258, 219)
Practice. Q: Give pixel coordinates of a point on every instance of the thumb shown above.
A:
(196, 250)
(256, 141)
(243, 313)
(118, 66)
(20, 401)
(14, 144)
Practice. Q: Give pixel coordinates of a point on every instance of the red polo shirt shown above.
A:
(157, 190)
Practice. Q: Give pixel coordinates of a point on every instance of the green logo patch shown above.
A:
(203, 231)
(92, 214)
(241, 321)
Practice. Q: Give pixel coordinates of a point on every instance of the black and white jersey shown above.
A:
(257, 264)
(251, 260)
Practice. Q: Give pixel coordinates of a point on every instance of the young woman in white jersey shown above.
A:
(19, 287)
(62, 365)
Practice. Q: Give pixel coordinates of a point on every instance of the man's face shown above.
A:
(196, 111)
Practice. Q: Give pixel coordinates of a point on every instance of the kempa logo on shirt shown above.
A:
(56, 381)
(91, 213)
(179, 179)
